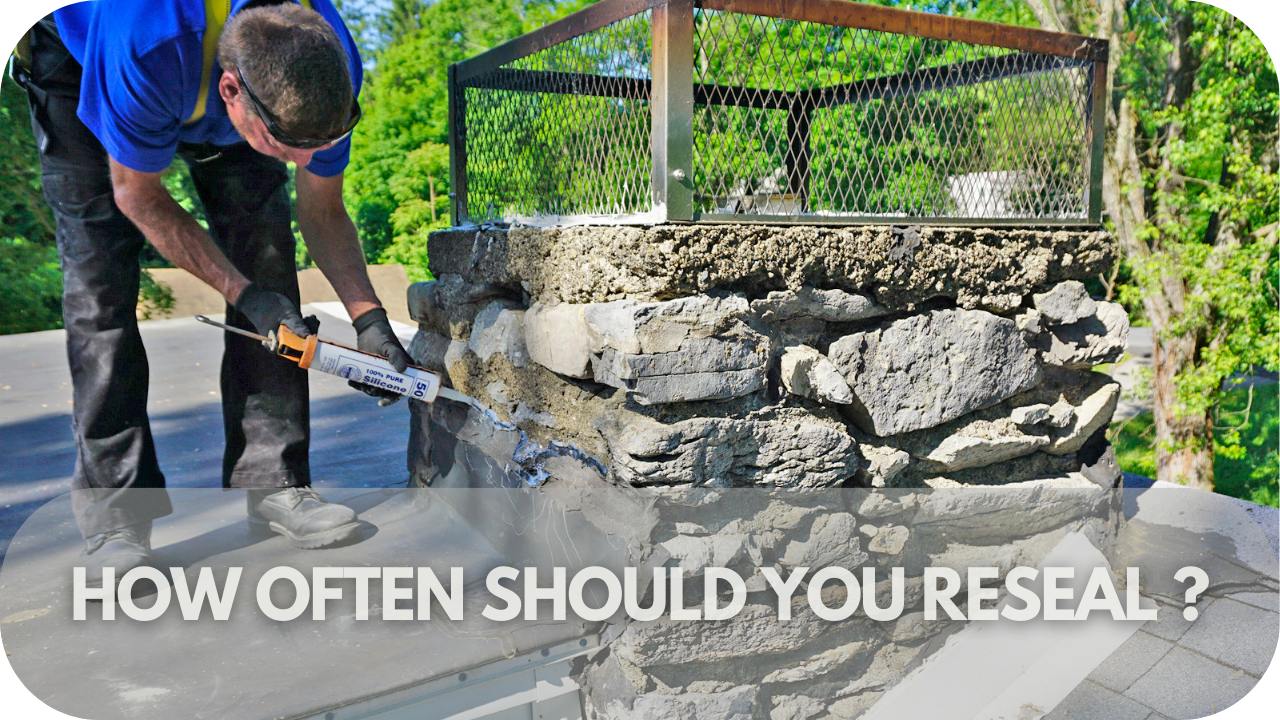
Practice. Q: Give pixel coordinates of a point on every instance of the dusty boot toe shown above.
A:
(301, 515)
(122, 549)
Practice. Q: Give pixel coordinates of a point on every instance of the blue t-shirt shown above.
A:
(142, 63)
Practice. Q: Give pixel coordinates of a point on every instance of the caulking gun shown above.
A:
(362, 367)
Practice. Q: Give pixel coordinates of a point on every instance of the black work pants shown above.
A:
(264, 397)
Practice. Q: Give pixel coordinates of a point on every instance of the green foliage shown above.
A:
(23, 212)
(1010, 12)
(397, 187)
(30, 276)
(155, 299)
(1134, 443)
(420, 208)
(406, 107)
(1215, 191)
(1248, 468)
(32, 287)
(416, 189)
(32, 281)
(540, 12)
(400, 19)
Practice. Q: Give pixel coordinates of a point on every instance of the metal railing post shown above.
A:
(457, 115)
(1098, 131)
(671, 105)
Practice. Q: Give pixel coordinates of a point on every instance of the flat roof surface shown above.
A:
(355, 443)
(250, 666)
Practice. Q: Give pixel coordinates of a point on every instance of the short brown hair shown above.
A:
(295, 63)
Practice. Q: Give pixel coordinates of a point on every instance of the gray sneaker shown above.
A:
(123, 549)
(300, 514)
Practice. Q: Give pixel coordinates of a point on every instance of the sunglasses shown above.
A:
(293, 141)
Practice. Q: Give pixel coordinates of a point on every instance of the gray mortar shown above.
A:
(975, 267)
(519, 455)
(574, 404)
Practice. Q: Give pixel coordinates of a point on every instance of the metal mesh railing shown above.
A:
(849, 122)
(763, 110)
(563, 131)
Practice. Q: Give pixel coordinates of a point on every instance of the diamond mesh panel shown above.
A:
(792, 120)
(796, 118)
(564, 131)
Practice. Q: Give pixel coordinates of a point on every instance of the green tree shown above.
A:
(361, 18)
(1190, 185)
(32, 287)
(541, 12)
(30, 278)
(889, 155)
(23, 212)
(401, 18)
(406, 108)
(420, 208)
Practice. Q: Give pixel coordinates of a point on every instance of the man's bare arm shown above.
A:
(143, 198)
(332, 240)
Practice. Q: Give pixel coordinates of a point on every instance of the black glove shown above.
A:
(269, 310)
(374, 335)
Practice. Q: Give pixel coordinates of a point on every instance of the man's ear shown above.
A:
(229, 88)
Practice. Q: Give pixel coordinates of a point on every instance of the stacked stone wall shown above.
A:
(794, 357)
(637, 374)
(757, 665)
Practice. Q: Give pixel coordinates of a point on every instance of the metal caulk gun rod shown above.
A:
(235, 330)
(444, 391)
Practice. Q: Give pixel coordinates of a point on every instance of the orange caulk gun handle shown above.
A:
(301, 350)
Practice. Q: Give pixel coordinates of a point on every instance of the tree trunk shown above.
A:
(1056, 16)
(1184, 442)
(1122, 190)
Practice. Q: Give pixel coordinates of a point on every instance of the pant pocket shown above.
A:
(79, 197)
